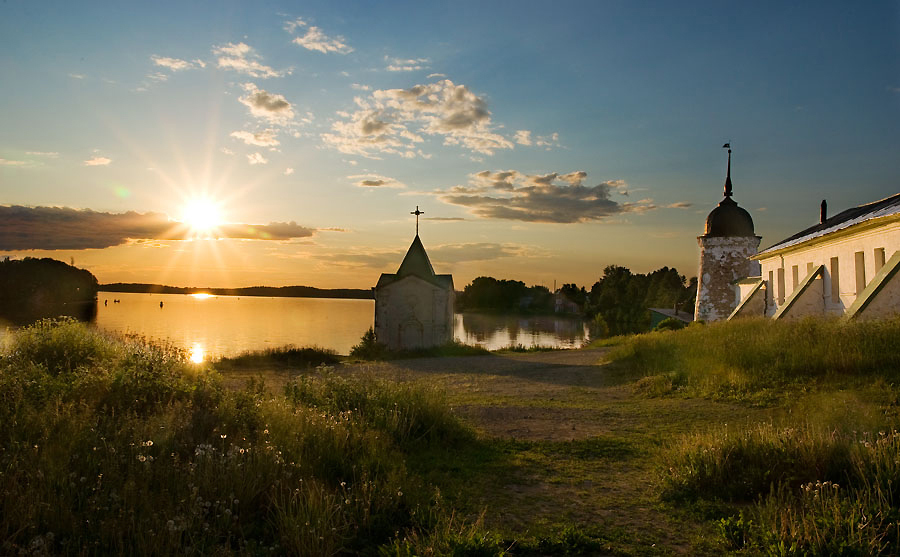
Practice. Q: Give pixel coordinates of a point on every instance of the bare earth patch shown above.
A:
(579, 446)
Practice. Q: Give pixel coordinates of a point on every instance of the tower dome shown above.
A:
(727, 219)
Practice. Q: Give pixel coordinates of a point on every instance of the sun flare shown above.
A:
(202, 215)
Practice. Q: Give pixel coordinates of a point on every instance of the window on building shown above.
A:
(809, 267)
(835, 281)
(770, 289)
(860, 271)
(780, 285)
(879, 259)
(795, 276)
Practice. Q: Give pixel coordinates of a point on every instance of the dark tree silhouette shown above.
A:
(32, 289)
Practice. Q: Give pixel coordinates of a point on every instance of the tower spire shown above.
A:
(728, 176)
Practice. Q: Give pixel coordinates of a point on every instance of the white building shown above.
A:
(414, 306)
(844, 265)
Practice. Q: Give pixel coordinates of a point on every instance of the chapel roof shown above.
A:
(845, 219)
(416, 264)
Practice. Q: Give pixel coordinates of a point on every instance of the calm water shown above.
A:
(214, 326)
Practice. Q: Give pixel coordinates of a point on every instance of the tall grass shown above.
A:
(819, 486)
(122, 447)
(756, 359)
(814, 492)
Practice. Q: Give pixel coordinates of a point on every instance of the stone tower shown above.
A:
(725, 251)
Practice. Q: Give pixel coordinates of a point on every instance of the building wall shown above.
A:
(722, 261)
(413, 313)
(856, 256)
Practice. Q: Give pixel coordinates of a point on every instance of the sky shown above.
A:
(229, 144)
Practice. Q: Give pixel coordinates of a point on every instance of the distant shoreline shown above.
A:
(267, 291)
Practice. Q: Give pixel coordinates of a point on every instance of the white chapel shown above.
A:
(414, 306)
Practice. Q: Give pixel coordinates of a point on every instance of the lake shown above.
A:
(213, 326)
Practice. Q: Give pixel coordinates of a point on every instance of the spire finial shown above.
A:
(728, 176)
(417, 212)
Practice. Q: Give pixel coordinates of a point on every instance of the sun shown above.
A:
(203, 216)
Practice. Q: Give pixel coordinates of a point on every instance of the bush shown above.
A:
(368, 348)
(670, 324)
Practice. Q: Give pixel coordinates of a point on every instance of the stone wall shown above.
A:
(723, 259)
(413, 313)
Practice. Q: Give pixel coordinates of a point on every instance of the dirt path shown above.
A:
(579, 446)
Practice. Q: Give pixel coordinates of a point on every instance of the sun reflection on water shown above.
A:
(201, 295)
(198, 353)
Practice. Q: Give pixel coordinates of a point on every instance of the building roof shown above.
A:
(416, 264)
(845, 219)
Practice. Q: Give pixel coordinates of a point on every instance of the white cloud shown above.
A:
(549, 198)
(411, 65)
(48, 154)
(6, 162)
(393, 121)
(315, 39)
(265, 138)
(227, 151)
(359, 87)
(176, 64)
(523, 137)
(77, 75)
(288, 171)
(97, 161)
(375, 181)
(434, 75)
(242, 58)
(257, 158)
(270, 106)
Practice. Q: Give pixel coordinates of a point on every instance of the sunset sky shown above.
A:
(281, 143)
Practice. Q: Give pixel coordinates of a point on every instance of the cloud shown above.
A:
(411, 65)
(359, 87)
(442, 254)
(435, 75)
(444, 219)
(242, 58)
(97, 161)
(523, 137)
(288, 171)
(269, 106)
(679, 205)
(393, 121)
(77, 75)
(549, 198)
(48, 154)
(375, 181)
(56, 228)
(265, 138)
(257, 158)
(175, 64)
(7, 162)
(315, 39)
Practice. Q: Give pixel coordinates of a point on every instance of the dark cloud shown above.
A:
(552, 198)
(53, 228)
(440, 255)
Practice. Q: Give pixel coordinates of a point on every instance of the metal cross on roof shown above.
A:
(417, 212)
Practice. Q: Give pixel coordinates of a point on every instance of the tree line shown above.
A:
(620, 297)
(33, 288)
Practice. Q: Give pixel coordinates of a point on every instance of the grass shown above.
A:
(111, 446)
(286, 356)
(756, 438)
(759, 360)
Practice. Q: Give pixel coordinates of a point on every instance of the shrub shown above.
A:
(670, 324)
(368, 348)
